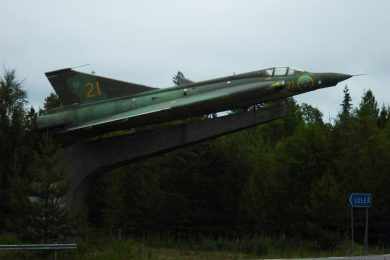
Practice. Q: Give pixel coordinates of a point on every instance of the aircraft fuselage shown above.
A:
(189, 100)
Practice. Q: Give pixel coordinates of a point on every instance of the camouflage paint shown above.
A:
(102, 107)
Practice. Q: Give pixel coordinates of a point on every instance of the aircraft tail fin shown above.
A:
(77, 87)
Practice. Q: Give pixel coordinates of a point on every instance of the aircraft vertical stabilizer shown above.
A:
(77, 87)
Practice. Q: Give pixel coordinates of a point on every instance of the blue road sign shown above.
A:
(360, 200)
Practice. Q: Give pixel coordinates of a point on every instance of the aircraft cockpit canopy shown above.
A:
(279, 71)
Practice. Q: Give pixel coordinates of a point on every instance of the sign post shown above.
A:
(366, 233)
(360, 200)
(352, 230)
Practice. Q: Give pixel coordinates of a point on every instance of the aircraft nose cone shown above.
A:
(331, 79)
(341, 77)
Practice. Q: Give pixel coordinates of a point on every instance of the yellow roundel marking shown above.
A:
(305, 81)
(92, 90)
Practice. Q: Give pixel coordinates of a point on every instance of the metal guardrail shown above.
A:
(30, 247)
(39, 247)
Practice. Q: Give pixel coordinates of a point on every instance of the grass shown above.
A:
(167, 248)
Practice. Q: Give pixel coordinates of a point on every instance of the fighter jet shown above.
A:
(96, 104)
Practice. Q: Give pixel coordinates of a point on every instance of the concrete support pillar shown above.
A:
(86, 159)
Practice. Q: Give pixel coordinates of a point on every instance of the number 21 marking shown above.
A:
(92, 90)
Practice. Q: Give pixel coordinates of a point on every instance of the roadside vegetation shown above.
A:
(206, 248)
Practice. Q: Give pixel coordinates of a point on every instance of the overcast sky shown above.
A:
(148, 41)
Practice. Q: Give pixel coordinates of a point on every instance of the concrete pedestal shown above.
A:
(86, 159)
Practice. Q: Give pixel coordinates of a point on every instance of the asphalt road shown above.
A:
(369, 257)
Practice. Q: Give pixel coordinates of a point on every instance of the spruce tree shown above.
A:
(52, 101)
(383, 116)
(368, 107)
(12, 140)
(49, 219)
(346, 105)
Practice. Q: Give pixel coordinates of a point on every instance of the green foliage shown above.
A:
(286, 179)
(49, 219)
(346, 105)
(290, 177)
(209, 248)
(14, 151)
(52, 101)
(311, 115)
(368, 108)
(31, 174)
(13, 97)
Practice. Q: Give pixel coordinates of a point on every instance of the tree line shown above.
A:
(32, 174)
(287, 178)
